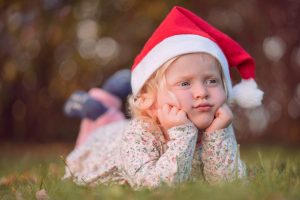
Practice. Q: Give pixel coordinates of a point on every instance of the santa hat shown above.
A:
(183, 32)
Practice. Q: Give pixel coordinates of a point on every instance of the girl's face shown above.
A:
(195, 80)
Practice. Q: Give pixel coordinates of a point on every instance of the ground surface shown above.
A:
(33, 171)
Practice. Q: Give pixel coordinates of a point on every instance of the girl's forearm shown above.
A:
(143, 169)
(220, 156)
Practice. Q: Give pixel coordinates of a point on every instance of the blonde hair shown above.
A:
(141, 104)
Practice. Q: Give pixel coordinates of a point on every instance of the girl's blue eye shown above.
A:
(211, 81)
(184, 84)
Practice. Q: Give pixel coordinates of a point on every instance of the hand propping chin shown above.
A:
(170, 116)
(223, 119)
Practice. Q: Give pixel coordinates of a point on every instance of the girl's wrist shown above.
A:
(178, 124)
(216, 135)
(214, 129)
(177, 131)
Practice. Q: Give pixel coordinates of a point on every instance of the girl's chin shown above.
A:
(202, 124)
(202, 127)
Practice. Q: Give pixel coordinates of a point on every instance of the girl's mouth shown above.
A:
(204, 107)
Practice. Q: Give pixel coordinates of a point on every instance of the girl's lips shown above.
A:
(203, 107)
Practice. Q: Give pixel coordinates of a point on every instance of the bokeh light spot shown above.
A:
(294, 104)
(258, 119)
(86, 9)
(107, 48)
(9, 71)
(297, 56)
(14, 21)
(86, 48)
(68, 69)
(87, 29)
(275, 110)
(274, 48)
(294, 108)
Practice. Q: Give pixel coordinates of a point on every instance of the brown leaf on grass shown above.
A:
(30, 177)
(19, 178)
(19, 196)
(8, 180)
(41, 195)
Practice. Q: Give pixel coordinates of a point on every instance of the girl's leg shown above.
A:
(87, 126)
(113, 114)
(110, 95)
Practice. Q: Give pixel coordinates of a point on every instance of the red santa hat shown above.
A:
(183, 32)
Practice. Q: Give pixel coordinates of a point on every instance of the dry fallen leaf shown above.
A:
(41, 195)
(8, 180)
(19, 196)
(18, 178)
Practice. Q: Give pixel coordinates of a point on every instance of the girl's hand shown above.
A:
(223, 118)
(170, 116)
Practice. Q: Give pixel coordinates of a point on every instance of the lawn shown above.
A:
(30, 170)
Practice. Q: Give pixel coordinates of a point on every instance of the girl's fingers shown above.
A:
(181, 112)
(170, 116)
(226, 111)
(158, 112)
(223, 109)
(173, 111)
(223, 118)
(165, 108)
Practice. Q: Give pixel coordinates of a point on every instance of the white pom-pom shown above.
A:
(246, 94)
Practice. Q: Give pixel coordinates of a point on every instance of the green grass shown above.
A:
(274, 173)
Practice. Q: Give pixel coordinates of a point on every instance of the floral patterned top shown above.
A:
(126, 152)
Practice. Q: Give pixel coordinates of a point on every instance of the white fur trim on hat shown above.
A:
(246, 94)
(174, 46)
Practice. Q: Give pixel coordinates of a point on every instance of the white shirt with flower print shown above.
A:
(127, 152)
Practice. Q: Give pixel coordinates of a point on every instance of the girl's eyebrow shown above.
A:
(190, 76)
(185, 76)
(182, 77)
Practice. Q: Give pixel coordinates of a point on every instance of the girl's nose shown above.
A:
(200, 91)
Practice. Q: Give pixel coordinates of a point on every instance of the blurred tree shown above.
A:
(50, 48)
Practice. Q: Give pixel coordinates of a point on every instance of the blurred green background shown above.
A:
(50, 48)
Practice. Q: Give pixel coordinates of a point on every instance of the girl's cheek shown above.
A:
(185, 101)
(223, 97)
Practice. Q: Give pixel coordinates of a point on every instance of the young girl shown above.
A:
(181, 128)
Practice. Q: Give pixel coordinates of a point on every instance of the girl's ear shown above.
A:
(148, 105)
(170, 99)
(145, 101)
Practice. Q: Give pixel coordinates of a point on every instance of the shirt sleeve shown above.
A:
(220, 156)
(146, 165)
